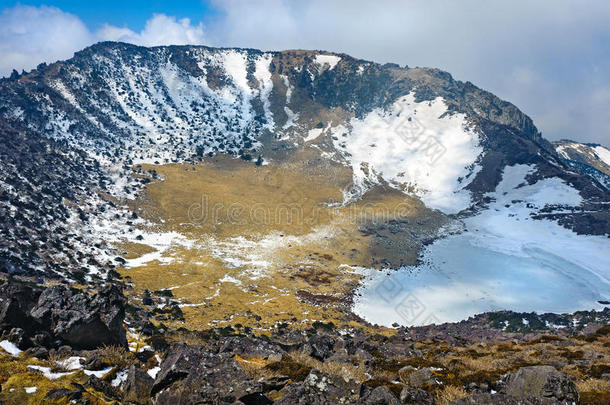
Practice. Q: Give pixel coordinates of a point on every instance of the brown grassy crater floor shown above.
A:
(271, 243)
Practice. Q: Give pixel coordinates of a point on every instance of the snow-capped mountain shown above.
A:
(590, 159)
(74, 132)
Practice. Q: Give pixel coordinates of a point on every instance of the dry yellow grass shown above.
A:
(268, 241)
(593, 385)
(15, 377)
(448, 394)
(116, 356)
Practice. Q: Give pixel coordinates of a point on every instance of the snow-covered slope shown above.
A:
(414, 145)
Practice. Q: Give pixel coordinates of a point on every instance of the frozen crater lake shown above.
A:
(505, 260)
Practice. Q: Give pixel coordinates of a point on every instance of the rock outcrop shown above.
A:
(59, 315)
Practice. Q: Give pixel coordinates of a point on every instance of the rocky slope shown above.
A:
(492, 358)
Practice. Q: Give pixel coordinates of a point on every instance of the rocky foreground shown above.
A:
(66, 345)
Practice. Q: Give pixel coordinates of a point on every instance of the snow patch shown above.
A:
(47, 373)
(414, 144)
(329, 60)
(229, 279)
(10, 348)
(120, 378)
(313, 134)
(603, 154)
(98, 373)
(153, 372)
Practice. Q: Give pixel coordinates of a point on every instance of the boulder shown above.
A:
(97, 384)
(410, 395)
(194, 374)
(540, 382)
(421, 378)
(82, 321)
(246, 346)
(380, 396)
(16, 301)
(58, 394)
(137, 387)
(38, 316)
(319, 347)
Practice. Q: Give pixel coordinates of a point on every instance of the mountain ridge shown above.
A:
(124, 105)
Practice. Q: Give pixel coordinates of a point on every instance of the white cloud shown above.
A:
(550, 59)
(159, 30)
(31, 35)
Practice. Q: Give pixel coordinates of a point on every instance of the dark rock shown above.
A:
(502, 399)
(43, 338)
(255, 399)
(415, 396)
(250, 347)
(320, 388)
(274, 383)
(340, 356)
(145, 355)
(16, 301)
(157, 342)
(192, 374)
(16, 336)
(101, 386)
(137, 387)
(82, 321)
(320, 347)
(58, 394)
(41, 316)
(380, 396)
(94, 360)
(540, 382)
(421, 378)
(39, 352)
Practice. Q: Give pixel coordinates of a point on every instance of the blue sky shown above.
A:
(132, 14)
(549, 57)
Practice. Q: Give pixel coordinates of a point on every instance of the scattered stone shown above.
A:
(540, 382)
(380, 396)
(58, 394)
(421, 378)
(100, 385)
(138, 386)
(320, 388)
(415, 396)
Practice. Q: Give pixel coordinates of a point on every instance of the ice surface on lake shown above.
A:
(505, 260)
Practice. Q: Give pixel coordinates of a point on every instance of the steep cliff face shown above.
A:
(114, 106)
